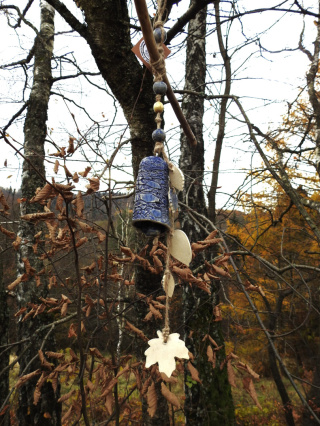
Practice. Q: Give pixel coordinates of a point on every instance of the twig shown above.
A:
(122, 402)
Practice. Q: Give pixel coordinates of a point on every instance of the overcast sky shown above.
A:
(265, 82)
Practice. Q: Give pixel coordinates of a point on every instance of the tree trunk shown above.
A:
(147, 284)
(47, 411)
(222, 119)
(287, 404)
(4, 353)
(285, 398)
(313, 396)
(209, 402)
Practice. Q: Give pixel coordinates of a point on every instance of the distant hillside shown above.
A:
(234, 216)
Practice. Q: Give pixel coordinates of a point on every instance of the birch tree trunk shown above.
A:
(210, 402)
(47, 411)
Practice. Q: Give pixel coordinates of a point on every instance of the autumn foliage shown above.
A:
(101, 381)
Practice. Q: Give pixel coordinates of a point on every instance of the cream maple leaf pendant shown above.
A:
(164, 353)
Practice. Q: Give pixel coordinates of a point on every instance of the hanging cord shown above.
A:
(162, 4)
(158, 67)
(159, 71)
(159, 150)
(166, 329)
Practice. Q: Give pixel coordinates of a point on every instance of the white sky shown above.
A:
(265, 85)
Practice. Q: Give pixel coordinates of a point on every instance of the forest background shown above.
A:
(81, 292)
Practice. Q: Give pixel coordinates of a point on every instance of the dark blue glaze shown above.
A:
(151, 207)
(157, 35)
(160, 88)
(158, 135)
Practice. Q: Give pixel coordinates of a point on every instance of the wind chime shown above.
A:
(156, 202)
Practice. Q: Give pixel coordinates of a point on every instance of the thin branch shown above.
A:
(9, 6)
(25, 10)
(185, 18)
(82, 73)
(69, 18)
(16, 115)
(22, 61)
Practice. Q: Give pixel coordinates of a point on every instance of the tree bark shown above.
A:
(285, 398)
(313, 395)
(47, 411)
(313, 94)
(209, 402)
(147, 283)
(4, 354)
(287, 404)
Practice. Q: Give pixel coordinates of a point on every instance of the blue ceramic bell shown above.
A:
(151, 207)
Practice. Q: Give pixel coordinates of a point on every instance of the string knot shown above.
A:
(165, 333)
(158, 67)
(159, 150)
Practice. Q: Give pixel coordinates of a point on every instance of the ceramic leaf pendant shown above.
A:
(164, 353)
(170, 285)
(176, 177)
(180, 247)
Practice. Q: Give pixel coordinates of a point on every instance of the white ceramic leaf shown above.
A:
(176, 178)
(180, 247)
(170, 285)
(164, 353)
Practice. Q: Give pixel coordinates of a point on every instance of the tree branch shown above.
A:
(69, 17)
(186, 17)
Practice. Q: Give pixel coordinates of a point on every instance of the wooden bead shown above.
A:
(158, 107)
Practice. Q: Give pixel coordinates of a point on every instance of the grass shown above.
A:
(272, 412)
(247, 413)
